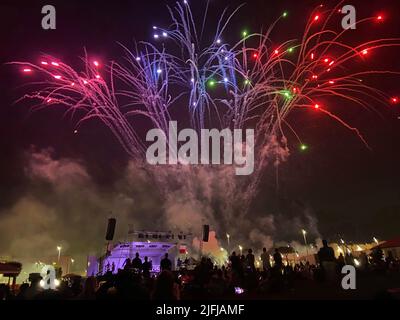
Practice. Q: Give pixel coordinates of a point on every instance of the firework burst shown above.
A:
(250, 84)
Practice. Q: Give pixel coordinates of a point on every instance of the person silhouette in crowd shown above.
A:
(235, 262)
(327, 260)
(166, 288)
(250, 260)
(137, 262)
(278, 259)
(265, 260)
(326, 253)
(146, 267)
(165, 263)
(127, 264)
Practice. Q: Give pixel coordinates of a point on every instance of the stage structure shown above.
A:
(151, 244)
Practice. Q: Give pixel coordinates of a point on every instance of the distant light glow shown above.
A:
(316, 18)
(286, 94)
(137, 59)
(276, 51)
(312, 56)
(395, 100)
(155, 36)
(285, 14)
(96, 63)
(56, 64)
(218, 41)
(27, 70)
(44, 63)
(365, 52)
(211, 83)
(244, 33)
(164, 34)
(316, 106)
(98, 76)
(303, 147)
(57, 77)
(159, 71)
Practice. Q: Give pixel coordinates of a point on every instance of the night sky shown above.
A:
(348, 189)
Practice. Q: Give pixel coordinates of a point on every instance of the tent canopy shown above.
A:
(392, 243)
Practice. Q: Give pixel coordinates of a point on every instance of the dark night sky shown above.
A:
(351, 190)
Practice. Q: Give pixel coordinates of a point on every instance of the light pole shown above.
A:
(228, 237)
(59, 253)
(304, 232)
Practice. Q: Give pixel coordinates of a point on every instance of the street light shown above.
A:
(241, 249)
(304, 232)
(228, 237)
(59, 253)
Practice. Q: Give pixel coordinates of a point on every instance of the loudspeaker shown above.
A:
(110, 229)
(206, 230)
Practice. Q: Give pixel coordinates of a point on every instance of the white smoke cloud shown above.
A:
(64, 206)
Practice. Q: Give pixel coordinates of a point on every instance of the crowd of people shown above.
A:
(240, 277)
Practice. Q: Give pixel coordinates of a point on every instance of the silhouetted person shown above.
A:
(22, 291)
(377, 256)
(127, 264)
(278, 258)
(265, 260)
(341, 262)
(146, 267)
(165, 286)
(137, 262)
(326, 253)
(250, 260)
(165, 263)
(327, 260)
(235, 262)
(89, 290)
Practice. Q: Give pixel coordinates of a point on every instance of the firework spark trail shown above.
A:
(219, 85)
